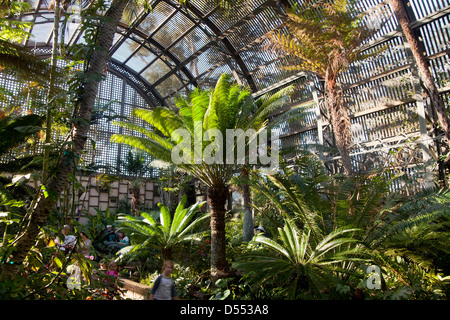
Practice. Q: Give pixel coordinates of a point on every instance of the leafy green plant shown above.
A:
(104, 181)
(403, 279)
(409, 241)
(47, 273)
(227, 106)
(298, 263)
(146, 232)
(326, 37)
(413, 230)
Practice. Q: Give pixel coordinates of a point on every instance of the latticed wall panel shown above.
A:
(116, 97)
(379, 93)
(173, 49)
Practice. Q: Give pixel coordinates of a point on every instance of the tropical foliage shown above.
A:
(302, 265)
(326, 37)
(407, 239)
(171, 229)
(324, 232)
(227, 106)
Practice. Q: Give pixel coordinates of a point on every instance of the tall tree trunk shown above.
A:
(166, 253)
(423, 66)
(248, 219)
(39, 212)
(51, 90)
(217, 198)
(135, 188)
(340, 121)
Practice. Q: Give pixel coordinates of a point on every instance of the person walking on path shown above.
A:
(164, 286)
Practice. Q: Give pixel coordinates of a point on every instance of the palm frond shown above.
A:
(273, 102)
(146, 232)
(165, 218)
(296, 202)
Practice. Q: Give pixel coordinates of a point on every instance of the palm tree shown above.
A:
(299, 262)
(166, 234)
(227, 106)
(326, 36)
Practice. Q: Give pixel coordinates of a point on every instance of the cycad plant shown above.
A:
(410, 244)
(199, 125)
(417, 230)
(99, 30)
(413, 230)
(300, 263)
(321, 201)
(171, 229)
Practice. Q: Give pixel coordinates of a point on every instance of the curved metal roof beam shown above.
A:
(221, 37)
(126, 73)
(162, 52)
(218, 39)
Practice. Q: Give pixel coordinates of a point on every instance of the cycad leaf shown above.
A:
(211, 120)
(336, 233)
(180, 214)
(270, 104)
(163, 141)
(148, 218)
(200, 102)
(150, 146)
(165, 218)
(272, 244)
(219, 100)
(186, 230)
(291, 238)
(163, 119)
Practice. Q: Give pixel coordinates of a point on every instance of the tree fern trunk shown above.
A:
(51, 89)
(340, 122)
(217, 198)
(248, 219)
(423, 66)
(39, 212)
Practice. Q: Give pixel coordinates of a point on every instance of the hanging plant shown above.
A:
(104, 182)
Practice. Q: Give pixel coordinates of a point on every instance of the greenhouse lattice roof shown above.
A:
(174, 48)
